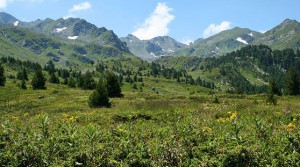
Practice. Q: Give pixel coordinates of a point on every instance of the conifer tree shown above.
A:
(71, 82)
(38, 80)
(53, 79)
(88, 81)
(23, 84)
(2, 76)
(113, 85)
(292, 83)
(99, 98)
(24, 74)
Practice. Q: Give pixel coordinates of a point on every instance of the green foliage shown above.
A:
(50, 67)
(2, 76)
(54, 79)
(23, 84)
(38, 81)
(71, 82)
(113, 85)
(292, 82)
(88, 81)
(99, 98)
(22, 75)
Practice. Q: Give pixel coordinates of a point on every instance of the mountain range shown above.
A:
(72, 38)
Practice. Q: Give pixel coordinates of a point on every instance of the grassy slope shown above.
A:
(169, 122)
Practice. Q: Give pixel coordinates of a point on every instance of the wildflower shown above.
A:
(206, 129)
(221, 120)
(233, 116)
(291, 126)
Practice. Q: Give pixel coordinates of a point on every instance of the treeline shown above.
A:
(268, 63)
(180, 75)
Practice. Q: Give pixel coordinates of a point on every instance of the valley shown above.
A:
(74, 94)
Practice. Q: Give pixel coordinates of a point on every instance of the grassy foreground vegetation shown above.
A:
(182, 125)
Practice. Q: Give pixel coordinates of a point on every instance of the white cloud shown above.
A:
(262, 31)
(80, 7)
(4, 3)
(156, 24)
(213, 29)
(187, 41)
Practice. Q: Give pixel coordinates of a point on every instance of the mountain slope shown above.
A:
(71, 30)
(25, 44)
(221, 43)
(8, 19)
(154, 48)
(285, 35)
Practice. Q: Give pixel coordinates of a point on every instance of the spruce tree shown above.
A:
(292, 83)
(38, 80)
(2, 76)
(23, 84)
(88, 81)
(99, 98)
(113, 85)
(24, 74)
(71, 82)
(53, 79)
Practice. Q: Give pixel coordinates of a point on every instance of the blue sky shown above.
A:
(184, 20)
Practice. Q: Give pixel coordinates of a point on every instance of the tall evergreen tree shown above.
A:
(88, 81)
(292, 83)
(99, 98)
(53, 79)
(273, 87)
(50, 67)
(38, 80)
(23, 84)
(2, 76)
(71, 82)
(24, 74)
(113, 85)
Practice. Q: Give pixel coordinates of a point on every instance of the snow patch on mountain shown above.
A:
(72, 37)
(242, 40)
(16, 23)
(153, 54)
(251, 34)
(61, 29)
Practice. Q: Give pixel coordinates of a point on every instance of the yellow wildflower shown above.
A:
(291, 126)
(233, 116)
(206, 129)
(221, 120)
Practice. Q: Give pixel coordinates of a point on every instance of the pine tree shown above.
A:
(24, 74)
(273, 87)
(53, 79)
(50, 67)
(113, 85)
(99, 98)
(88, 81)
(2, 76)
(272, 90)
(71, 82)
(23, 84)
(38, 80)
(292, 83)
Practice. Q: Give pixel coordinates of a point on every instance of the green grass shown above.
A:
(171, 128)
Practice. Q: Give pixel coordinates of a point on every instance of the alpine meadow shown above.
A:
(75, 94)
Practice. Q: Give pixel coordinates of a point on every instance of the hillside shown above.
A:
(153, 48)
(285, 35)
(221, 43)
(247, 69)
